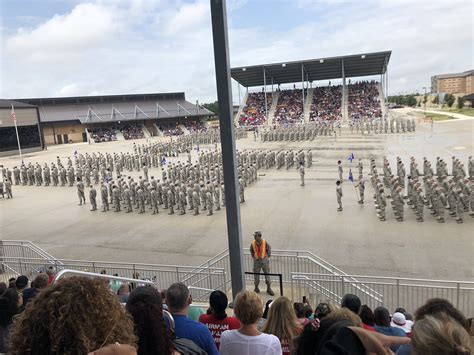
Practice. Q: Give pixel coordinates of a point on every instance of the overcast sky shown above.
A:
(73, 47)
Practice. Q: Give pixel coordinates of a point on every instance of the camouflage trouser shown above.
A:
(258, 266)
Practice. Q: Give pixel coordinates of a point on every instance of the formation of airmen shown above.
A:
(310, 131)
(391, 125)
(6, 183)
(432, 188)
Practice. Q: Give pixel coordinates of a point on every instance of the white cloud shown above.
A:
(137, 46)
(87, 25)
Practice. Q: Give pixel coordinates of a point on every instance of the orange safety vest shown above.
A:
(259, 252)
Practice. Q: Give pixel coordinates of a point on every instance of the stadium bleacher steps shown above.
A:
(271, 112)
(307, 104)
(119, 135)
(382, 100)
(146, 133)
(184, 129)
(241, 107)
(89, 139)
(159, 132)
(345, 107)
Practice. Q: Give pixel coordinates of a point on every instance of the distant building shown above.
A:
(453, 83)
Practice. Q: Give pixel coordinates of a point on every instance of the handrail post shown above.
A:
(398, 293)
(177, 273)
(458, 289)
(343, 286)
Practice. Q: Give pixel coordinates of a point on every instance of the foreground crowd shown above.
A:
(79, 315)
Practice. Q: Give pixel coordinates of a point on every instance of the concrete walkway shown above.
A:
(458, 116)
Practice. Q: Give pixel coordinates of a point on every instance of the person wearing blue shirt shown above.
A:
(178, 300)
(382, 325)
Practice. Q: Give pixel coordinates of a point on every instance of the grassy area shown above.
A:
(434, 116)
(464, 111)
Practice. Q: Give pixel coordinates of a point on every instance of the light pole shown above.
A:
(424, 101)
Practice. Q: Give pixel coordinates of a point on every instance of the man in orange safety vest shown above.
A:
(261, 253)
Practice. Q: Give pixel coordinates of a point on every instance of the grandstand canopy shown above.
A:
(312, 70)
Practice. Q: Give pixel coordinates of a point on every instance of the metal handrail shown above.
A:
(388, 278)
(63, 272)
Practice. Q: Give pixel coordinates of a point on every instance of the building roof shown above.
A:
(110, 112)
(314, 69)
(469, 97)
(8, 104)
(50, 101)
(454, 75)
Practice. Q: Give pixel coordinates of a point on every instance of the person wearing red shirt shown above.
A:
(216, 320)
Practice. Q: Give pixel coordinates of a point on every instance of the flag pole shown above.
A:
(16, 130)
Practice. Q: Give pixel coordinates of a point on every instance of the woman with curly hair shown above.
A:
(75, 316)
(10, 303)
(146, 307)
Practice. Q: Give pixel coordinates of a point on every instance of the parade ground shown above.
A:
(290, 217)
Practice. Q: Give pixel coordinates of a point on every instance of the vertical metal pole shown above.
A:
(343, 101)
(238, 90)
(386, 83)
(224, 97)
(302, 84)
(265, 91)
(16, 130)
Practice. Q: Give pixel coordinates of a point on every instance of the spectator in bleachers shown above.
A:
(322, 310)
(289, 108)
(351, 302)
(382, 325)
(10, 303)
(299, 309)
(21, 283)
(282, 323)
(326, 104)
(51, 272)
(364, 101)
(195, 126)
(132, 132)
(171, 129)
(104, 135)
(399, 321)
(261, 321)
(3, 287)
(40, 282)
(145, 306)
(217, 320)
(75, 316)
(253, 113)
(367, 317)
(248, 340)
(178, 300)
(123, 292)
(440, 335)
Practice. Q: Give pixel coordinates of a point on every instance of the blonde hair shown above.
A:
(248, 307)
(281, 320)
(440, 335)
(346, 314)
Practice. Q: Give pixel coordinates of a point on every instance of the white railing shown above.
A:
(392, 292)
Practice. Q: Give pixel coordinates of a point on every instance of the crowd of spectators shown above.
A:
(326, 104)
(253, 113)
(289, 108)
(104, 135)
(364, 102)
(171, 129)
(132, 132)
(79, 315)
(195, 126)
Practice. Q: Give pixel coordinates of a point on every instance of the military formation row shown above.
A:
(438, 192)
(383, 126)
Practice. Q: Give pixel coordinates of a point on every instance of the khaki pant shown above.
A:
(262, 264)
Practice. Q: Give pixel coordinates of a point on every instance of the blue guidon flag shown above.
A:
(351, 178)
(351, 157)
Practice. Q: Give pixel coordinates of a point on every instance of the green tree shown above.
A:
(425, 99)
(460, 102)
(435, 100)
(213, 106)
(411, 100)
(449, 99)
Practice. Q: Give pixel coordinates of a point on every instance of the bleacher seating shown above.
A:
(195, 126)
(326, 104)
(364, 101)
(171, 129)
(132, 132)
(254, 111)
(289, 107)
(104, 135)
